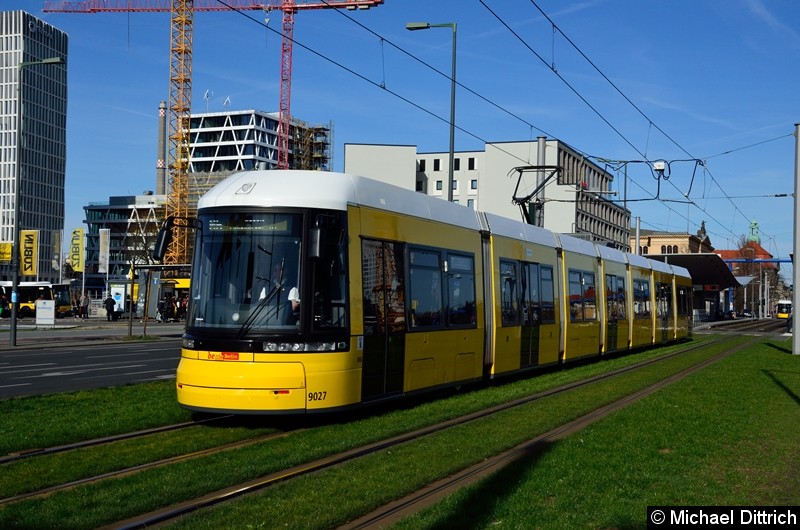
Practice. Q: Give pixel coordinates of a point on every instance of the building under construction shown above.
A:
(241, 140)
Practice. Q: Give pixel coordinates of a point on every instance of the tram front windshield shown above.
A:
(246, 267)
(249, 276)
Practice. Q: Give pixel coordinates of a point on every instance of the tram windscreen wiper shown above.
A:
(263, 302)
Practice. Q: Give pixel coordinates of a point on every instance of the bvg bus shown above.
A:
(27, 294)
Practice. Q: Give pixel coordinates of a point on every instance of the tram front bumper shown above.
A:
(220, 386)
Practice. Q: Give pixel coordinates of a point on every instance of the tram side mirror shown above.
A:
(315, 243)
(163, 239)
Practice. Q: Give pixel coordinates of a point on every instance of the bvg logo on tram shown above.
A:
(223, 356)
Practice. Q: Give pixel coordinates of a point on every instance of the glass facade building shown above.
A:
(33, 116)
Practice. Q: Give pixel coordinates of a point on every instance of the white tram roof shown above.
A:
(612, 254)
(669, 268)
(639, 261)
(578, 246)
(503, 226)
(660, 266)
(334, 191)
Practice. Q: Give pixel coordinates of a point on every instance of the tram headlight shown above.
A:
(187, 343)
(320, 346)
(303, 346)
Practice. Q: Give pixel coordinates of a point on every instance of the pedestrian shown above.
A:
(169, 309)
(110, 304)
(182, 303)
(84, 307)
(4, 311)
(160, 310)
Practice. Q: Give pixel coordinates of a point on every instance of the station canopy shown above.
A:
(705, 269)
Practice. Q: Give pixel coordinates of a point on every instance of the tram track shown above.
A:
(32, 453)
(226, 494)
(748, 325)
(142, 467)
(268, 480)
(391, 513)
(41, 452)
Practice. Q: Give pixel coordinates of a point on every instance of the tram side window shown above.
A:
(684, 302)
(509, 306)
(547, 291)
(460, 290)
(641, 298)
(575, 291)
(582, 296)
(329, 279)
(589, 297)
(441, 299)
(383, 283)
(531, 303)
(425, 289)
(615, 297)
(664, 302)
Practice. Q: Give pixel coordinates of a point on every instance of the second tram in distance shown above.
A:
(783, 309)
(316, 291)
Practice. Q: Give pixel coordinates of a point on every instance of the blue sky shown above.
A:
(707, 80)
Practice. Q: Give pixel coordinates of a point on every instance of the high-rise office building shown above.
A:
(33, 140)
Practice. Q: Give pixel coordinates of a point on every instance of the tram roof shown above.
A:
(334, 191)
(578, 246)
(504, 226)
(612, 254)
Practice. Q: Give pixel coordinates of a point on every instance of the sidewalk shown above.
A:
(71, 330)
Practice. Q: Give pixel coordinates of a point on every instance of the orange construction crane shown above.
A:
(180, 97)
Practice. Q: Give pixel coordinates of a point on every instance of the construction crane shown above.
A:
(180, 82)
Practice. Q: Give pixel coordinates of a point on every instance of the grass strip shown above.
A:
(35, 422)
(46, 471)
(98, 504)
(332, 497)
(725, 436)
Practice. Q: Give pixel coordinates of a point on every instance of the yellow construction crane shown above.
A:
(180, 81)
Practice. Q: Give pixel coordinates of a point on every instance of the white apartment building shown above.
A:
(575, 193)
(33, 141)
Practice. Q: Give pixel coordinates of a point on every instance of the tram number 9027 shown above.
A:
(317, 396)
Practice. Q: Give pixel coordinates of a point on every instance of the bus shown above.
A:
(784, 309)
(27, 294)
(62, 294)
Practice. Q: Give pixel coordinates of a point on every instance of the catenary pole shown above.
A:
(795, 272)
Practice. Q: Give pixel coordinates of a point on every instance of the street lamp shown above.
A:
(17, 195)
(414, 26)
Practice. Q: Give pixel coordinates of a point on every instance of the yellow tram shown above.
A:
(317, 291)
(783, 309)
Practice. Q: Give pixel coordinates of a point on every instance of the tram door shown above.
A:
(531, 315)
(664, 309)
(615, 289)
(384, 318)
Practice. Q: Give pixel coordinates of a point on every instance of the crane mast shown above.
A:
(180, 81)
(284, 117)
(180, 108)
